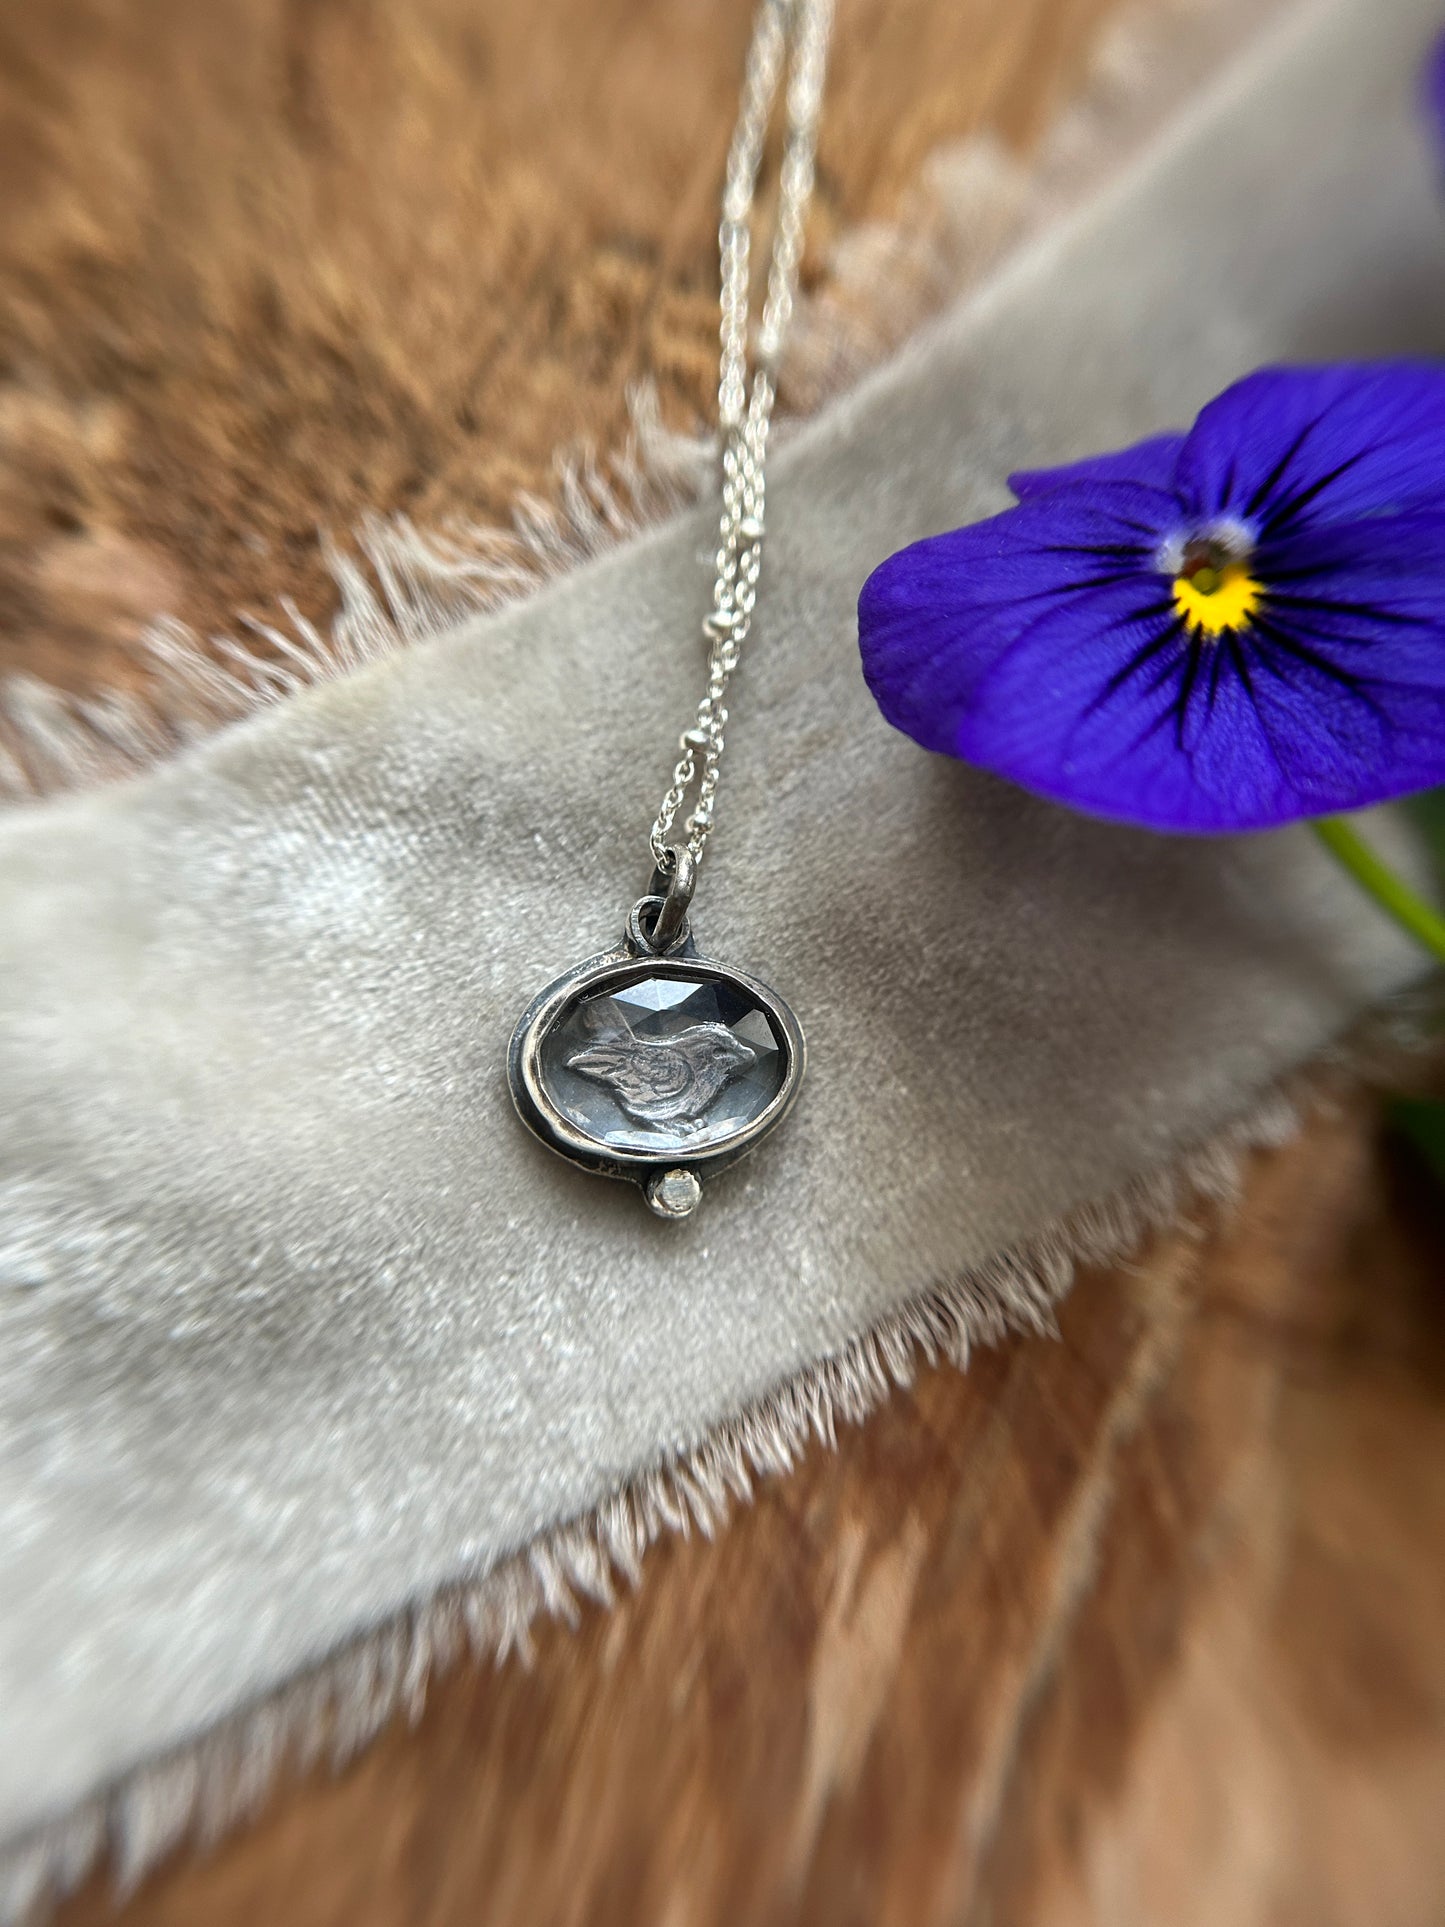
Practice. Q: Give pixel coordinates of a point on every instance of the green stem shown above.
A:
(1394, 897)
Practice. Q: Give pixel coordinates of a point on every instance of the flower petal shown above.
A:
(1291, 448)
(935, 616)
(1332, 699)
(1350, 651)
(1113, 713)
(1150, 462)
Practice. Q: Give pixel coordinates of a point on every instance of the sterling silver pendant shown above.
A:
(652, 1062)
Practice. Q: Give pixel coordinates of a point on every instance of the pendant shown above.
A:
(653, 1062)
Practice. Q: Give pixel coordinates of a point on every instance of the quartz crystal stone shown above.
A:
(663, 1063)
(674, 1194)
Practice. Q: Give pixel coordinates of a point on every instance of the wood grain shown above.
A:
(1138, 1625)
(271, 265)
(1145, 1624)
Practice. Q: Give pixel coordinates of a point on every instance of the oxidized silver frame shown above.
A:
(617, 969)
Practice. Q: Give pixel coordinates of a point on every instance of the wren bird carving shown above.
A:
(666, 1080)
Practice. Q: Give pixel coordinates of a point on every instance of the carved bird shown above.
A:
(665, 1080)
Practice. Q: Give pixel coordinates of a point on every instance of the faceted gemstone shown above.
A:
(663, 1063)
(675, 1194)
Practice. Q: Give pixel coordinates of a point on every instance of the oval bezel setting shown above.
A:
(618, 970)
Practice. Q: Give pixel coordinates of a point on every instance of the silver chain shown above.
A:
(791, 34)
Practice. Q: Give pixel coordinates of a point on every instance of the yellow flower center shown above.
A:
(1214, 592)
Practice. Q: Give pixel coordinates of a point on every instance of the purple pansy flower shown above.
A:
(1223, 630)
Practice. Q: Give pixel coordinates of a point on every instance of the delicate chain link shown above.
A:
(792, 33)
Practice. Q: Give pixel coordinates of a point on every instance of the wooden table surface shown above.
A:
(1141, 1624)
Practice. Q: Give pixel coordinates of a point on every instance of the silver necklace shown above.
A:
(653, 1062)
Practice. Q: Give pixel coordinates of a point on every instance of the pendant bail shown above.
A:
(676, 891)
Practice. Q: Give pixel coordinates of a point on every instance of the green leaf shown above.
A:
(1421, 1122)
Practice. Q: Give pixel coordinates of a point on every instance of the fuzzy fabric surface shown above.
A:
(302, 1334)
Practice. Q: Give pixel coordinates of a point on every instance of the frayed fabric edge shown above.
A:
(202, 1790)
(399, 585)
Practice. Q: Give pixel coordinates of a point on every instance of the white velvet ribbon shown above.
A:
(298, 1328)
